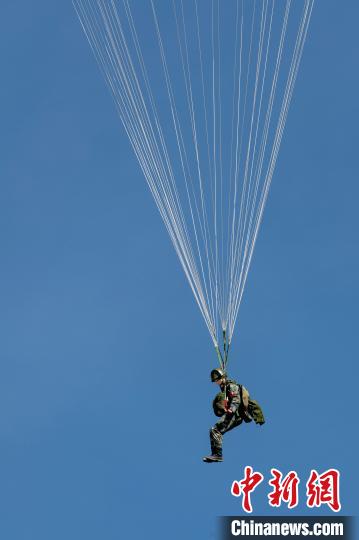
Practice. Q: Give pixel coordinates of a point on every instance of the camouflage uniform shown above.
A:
(243, 409)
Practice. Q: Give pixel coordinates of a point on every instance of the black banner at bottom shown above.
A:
(336, 527)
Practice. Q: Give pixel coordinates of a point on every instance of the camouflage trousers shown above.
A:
(224, 424)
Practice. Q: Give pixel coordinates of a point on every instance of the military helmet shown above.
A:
(217, 374)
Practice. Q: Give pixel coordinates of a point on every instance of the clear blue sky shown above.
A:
(104, 359)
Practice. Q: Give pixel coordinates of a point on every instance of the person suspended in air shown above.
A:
(234, 405)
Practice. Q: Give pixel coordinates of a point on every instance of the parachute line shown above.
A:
(203, 90)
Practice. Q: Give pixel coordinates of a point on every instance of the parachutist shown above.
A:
(234, 405)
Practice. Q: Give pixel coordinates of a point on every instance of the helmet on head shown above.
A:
(217, 374)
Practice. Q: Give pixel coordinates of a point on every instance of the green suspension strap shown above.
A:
(225, 352)
(227, 355)
(220, 358)
(223, 359)
(226, 346)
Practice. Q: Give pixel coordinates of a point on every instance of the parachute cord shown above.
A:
(262, 81)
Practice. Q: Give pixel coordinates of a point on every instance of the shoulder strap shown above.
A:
(244, 396)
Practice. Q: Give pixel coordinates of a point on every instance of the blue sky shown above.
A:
(104, 359)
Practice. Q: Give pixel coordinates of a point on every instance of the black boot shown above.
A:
(213, 458)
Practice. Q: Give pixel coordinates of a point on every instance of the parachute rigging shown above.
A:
(203, 90)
